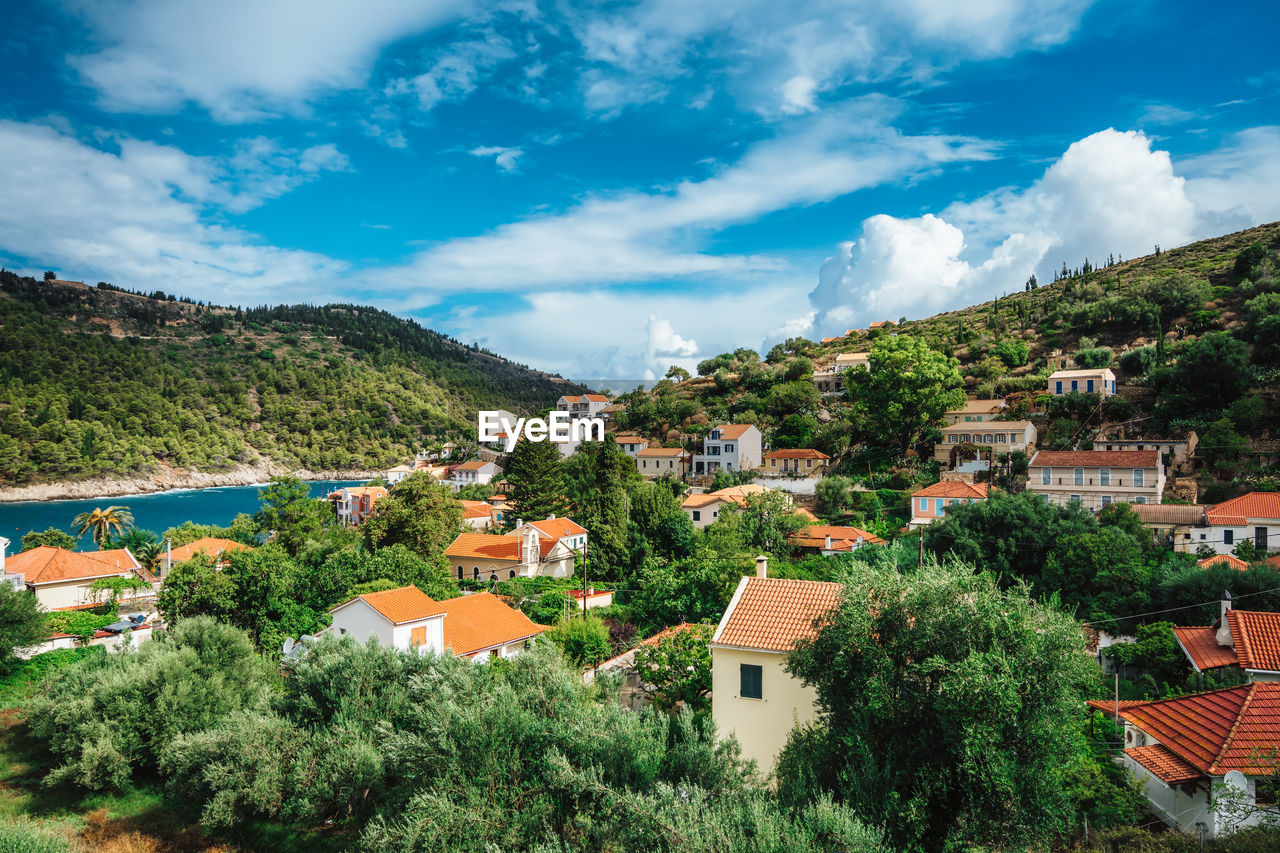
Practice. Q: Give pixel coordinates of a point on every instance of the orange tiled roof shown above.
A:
(482, 546)
(1164, 764)
(1216, 731)
(629, 438)
(1201, 646)
(699, 501)
(733, 431)
(842, 538)
(1108, 706)
(796, 454)
(404, 604)
(476, 509)
(47, 564)
(210, 546)
(1256, 637)
(1237, 511)
(587, 398)
(1229, 559)
(481, 621)
(374, 491)
(558, 528)
(773, 613)
(1097, 458)
(952, 489)
(473, 465)
(662, 451)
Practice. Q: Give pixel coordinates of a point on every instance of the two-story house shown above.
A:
(581, 406)
(525, 553)
(704, 508)
(829, 380)
(475, 472)
(930, 503)
(656, 462)
(1177, 450)
(1002, 437)
(398, 473)
(1096, 381)
(1254, 517)
(975, 411)
(753, 697)
(630, 443)
(354, 504)
(729, 447)
(480, 626)
(1096, 478)
(795, 463)
(563, 530)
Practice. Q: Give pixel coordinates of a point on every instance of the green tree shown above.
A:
(677, 373)
(419, 514)
(1211, 373)
(143, 544)
(584, 638)
(290, 513)
(23, 623)
(941, 705)
(676, 671)
(834, 495)
(195, 588)
(1156, 651)
(768, 519)
(905, 392)
(598, 477)
(103, 523)
(53, 537)
(535, 481)
(1221, 443)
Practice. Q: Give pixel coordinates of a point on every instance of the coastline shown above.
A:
(168, 480)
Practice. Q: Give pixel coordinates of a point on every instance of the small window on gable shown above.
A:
(751, 681)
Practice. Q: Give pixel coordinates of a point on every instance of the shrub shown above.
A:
(1093, 358)
(1012, 353)
(24, 836)
(1140, 361)
(585, 639)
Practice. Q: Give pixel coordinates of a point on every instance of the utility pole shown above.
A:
(921, 563)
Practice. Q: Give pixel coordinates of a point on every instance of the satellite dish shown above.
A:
(288, 645)
(1236, 779)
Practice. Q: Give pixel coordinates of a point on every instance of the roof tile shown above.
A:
(772, 614)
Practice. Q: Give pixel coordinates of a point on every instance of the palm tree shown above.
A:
(103, 523)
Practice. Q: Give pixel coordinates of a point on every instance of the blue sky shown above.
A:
(604, 189)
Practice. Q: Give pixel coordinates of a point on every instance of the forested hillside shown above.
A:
(95, 381)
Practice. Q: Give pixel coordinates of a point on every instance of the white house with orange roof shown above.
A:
(1245, 641)
(398, 473)
(63, 580)
(653, 463)
(480, 627)
(475, 472)
(1096, 478)
(564, 530)
(729, 447)
(753, 697)
(212, 547)
(801, 462)
(478, 515)
(630, 443)
(581, 406)
(830, 380)
(526, 552)
(1253, 517)
(704, 509)
(354, 504)
(1091, 381)
(828, 539)
(930, 503)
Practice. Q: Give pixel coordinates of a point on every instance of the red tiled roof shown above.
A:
(954, 489)
(1255, 505)
(558, 528)
(1216, 731)
(1229, 559)
(210, 546)
(1164, 764)
(772, 614)
(1097, 458)
(404, 604)
(698, 501)
(476, 509)
(1201, 646)
(842, 538)
(47, 564)
(733, 431)
(1167, 513)
(796, 454)
(1256, 637)
(473, 465)
(662, 451)
(1108, 706)
(481, 621)
(482, 546)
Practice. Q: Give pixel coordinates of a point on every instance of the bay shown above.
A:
(158, 511)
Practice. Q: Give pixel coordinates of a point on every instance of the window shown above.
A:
(1000, 437)
(1104, 476)
(459, 572)
(1089, 386)
(953, 438)
(1075, 386)
(1046, 476)
(1059, 388)
(697, 515)
(1139, 477)
(1075, 499)
(1228, 537)
(924, 504)
(1106, 499)
(1140, 500)
(1078, 475)
(475, 573)
(939, 506)
(752, 686)
(418, 636)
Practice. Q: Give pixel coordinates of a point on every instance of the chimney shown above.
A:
(762, 566)
(1223, 636)
(827, 545)
(519, 523)
(1226, 603)
(553, 515)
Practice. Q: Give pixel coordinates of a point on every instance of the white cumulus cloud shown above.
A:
(505, 158)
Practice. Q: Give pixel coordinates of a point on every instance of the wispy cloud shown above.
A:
(505, 158)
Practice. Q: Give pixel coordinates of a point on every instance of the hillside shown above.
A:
(101, 383)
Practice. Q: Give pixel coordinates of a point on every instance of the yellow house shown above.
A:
(753, 697)
(63, 580)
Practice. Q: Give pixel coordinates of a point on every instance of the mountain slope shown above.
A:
(98, 382)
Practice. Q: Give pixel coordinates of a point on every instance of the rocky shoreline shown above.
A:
(169, 479)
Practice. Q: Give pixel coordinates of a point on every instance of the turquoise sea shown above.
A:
(157, 511)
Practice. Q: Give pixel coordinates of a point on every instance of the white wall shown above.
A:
(357, 619)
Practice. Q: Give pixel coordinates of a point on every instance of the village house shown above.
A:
(930, 503)
(975, 411)
(475, 472)
(729, 447)
(704, 508)
(591, 598)
(1229, 560)
(1180, 526)
(632, 694)
(480, 626)
(829, 380)
(795, 463)
(545, 548)
(1176, 451)
(477, 515)
(630, 443)
(209, 546)
(580, 406)
(610, 413)
(354, 504)
(1205, 761)
(753, 697)
(1000, 437)
(1096, 381)
(1245, 641)
(1096, 478)
(1254, 517)
(828, 540)
(398, 473)
(656, 462)
(63, 580)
